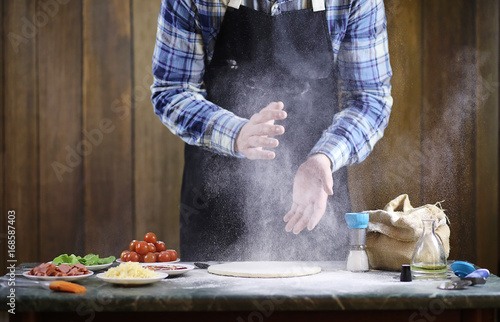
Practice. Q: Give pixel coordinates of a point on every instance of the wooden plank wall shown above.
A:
(488, 134)
(21, 154)
(88, 166)
(448, 117)
(107, 84)
(60, 121)
(67, 128)
(3, 206)
(158, 155)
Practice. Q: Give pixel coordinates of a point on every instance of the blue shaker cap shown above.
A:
(357, 220)
(461, 269)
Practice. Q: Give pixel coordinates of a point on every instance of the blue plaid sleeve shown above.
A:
(178, 95)
(364, 85)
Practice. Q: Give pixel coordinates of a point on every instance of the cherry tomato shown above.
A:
(151, 248)
(150, 258)
(142, 248)
(123, 254)
(133, 257)
(141, 258)
(173, 254)
(132, 245)
(164, 257)
(160, 246)
(126, 257)
(150, 238)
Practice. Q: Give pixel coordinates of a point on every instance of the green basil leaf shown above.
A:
(106, 260)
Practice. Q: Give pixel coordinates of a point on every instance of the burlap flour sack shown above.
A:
(394, 231)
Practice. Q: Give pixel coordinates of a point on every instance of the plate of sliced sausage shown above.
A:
(63, 272)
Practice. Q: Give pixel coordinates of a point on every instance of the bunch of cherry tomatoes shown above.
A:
(148, 251)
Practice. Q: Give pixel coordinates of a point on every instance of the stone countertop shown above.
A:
(197, 290)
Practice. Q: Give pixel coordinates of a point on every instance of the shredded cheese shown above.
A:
(130, 270)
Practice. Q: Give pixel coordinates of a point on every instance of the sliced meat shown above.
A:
(50, 269)
(81, 266)
(73, 271)
(42, 269)
(63, 268)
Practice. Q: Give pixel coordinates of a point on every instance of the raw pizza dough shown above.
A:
(264, 269)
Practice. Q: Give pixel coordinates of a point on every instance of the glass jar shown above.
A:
(429, 258)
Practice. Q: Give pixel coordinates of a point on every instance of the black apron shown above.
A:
(231, 208)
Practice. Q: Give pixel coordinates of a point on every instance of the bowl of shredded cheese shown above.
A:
(131, 273)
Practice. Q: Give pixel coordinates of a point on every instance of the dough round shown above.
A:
(264, 269)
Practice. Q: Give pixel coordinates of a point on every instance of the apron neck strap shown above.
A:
(234, 4)
(318, 5)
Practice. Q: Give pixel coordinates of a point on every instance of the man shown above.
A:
(270, 95)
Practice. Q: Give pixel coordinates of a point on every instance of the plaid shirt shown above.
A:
(187, 31)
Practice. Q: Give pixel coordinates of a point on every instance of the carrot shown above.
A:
(64, 286)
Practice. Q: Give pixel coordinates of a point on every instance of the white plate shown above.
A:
(177, 260)
(171, 271)
(98, 267)
(57, 278)
(131, 281)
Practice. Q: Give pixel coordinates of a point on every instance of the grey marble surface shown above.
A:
(197, 290)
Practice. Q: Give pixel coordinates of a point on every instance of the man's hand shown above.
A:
(253, 136)
(311, 187)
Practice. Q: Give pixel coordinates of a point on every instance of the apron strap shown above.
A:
(234, 4)
(318, 5)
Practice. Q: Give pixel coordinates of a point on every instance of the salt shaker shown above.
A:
(357, 260)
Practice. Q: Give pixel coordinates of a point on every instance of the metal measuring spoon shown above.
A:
(455, 285)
